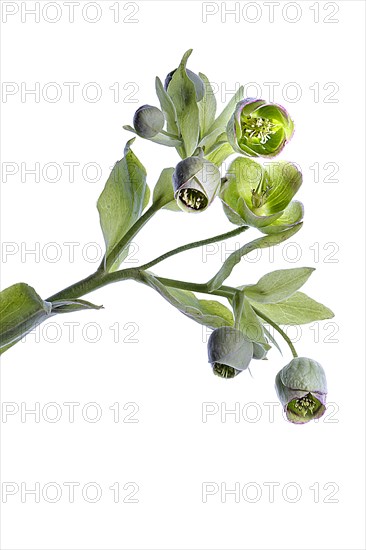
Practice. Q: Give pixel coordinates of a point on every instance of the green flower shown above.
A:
(196, 182)
(259, 129)
(148, 121)
(229, 352)
(260, 196)
(302, 389)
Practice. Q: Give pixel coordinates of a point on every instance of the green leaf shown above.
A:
(161, 139)
(122, 201)
(207, 106)
(168, 108)
(227, 113)
(211, 140)
(235, 257)
(246, 319)
(220, 153)
(271, 339)
(164, 192)
(69, 306)
(21, 310)
(183, 94)
(210, 313)
(299, 309)
(278, 285)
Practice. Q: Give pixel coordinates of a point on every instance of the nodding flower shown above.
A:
(302, 389)
(229, 352)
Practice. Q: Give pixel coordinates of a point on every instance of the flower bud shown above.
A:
(229, 352)
(196, 182)
(259, 129)
(148, 121)
(302, 389)
(197, 81)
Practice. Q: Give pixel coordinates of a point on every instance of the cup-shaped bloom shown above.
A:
(259, 129)
(229, 351)
(197, 81)
(148, 121)
(260, 196)
(196, 182)
(302, 389)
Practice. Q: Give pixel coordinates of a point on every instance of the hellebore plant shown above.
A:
(253, 195)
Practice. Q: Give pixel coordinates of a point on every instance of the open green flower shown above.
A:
(148, 121)
(259, 129)
(229, 352)
(302, 389)
(196, 182)
(260, 196)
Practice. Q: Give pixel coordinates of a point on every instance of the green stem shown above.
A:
(195, 244)
(93, 282)
(173, 136)
(225, 291)
(131, 233)
(279, 330)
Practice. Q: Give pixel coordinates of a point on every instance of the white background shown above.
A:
(170, 452)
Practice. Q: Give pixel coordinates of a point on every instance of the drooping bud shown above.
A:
(197, 81)
(196, 182)
(229, 352)
(259, 129)
(148, 121)
(302, 389)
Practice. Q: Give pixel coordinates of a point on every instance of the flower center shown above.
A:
(260, 194)
(224, 371)
(257, 128)
(307, 405)
(193, 198)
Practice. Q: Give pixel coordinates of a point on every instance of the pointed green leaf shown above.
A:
(235, 257)
(167, 106)
(69, 306)
(161, 139)
(183, 94)
(220, 153)
(211, 139)
(207, 106)
(271, 339)
(228, 111)
(21, 310)
(164, 192)
(122, 201)
(246, 319)
(278, 285)
(299, 309)
(210, 313)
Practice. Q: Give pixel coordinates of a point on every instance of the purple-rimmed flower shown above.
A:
(259, 129)
(302, 389)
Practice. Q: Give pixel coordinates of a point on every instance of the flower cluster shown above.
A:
(252, 194)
